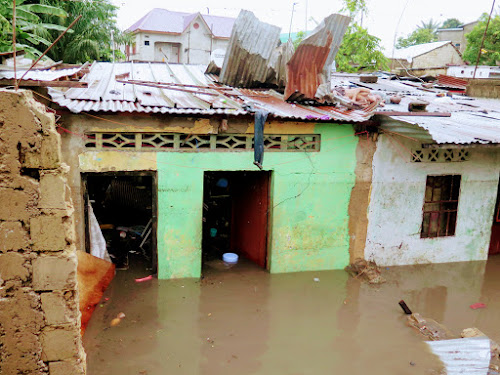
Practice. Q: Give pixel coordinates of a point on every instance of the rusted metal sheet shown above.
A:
(40, 75)
(310, 65)
(250, 48)
(277, 64)
(451, 82)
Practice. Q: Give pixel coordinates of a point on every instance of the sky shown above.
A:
(385, 19)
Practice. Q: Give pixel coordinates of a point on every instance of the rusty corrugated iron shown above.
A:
(251, 46)
(451, 82)
(311, 63)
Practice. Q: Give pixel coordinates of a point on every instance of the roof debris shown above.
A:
(310, 66)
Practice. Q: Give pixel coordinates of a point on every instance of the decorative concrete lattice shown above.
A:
(434, 155)
(212, 142)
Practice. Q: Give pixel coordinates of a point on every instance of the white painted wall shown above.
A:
(195, 44)
(397, 197)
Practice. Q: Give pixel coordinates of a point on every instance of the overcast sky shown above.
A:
(382, 19)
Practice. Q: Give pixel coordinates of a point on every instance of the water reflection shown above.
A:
(246, 321)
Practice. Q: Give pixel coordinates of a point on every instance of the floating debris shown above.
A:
(368, 270)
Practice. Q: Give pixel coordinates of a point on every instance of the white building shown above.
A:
(190, 38)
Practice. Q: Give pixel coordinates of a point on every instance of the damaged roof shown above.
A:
(191, 92)
(165, 21)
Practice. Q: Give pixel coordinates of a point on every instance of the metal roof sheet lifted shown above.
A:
(40, 75)
(310, 65)
(183, 90)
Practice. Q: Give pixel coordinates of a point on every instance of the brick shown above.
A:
(54, 273)
(13, 236)
(14, 205)
(48, 233)
(49, 154)
(56, 309)
(12, 266)
(52, 191)
(59, 343)
(70, 367)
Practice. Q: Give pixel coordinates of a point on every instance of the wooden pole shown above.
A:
(52, 45)
(16, 85)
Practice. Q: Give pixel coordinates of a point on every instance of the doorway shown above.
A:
(120, 209)
(236, 215)
(495, 229)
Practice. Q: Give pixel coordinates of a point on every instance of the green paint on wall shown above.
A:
(310, 195)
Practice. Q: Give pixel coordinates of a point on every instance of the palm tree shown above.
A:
(429, 25)
(32, 33)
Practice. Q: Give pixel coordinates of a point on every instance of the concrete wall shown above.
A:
(397, 197)
(309, 192)
(39, 315)
(442, 56)
(196, 45)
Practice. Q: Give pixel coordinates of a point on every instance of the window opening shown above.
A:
(440, 206)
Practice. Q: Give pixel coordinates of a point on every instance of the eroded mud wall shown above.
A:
(39, 316)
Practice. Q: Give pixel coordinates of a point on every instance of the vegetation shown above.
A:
(419, 36)
(91, 39)
(33, 33)
(451, 23)
(491, 50)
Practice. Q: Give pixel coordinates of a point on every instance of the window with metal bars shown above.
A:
(440, 206)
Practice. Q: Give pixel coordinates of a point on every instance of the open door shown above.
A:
(250, 217)
(495, 229)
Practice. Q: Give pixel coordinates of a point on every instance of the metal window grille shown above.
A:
(440, 206)
(187, 142)
(439, 155)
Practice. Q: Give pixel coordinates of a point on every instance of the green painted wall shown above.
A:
(310, 195)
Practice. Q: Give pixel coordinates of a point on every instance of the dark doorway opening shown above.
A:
(495, 229)
(235, 215)
(124, 205)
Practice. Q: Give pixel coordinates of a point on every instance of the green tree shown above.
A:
(91, 39)
(419, 36)
(360, 50)
(429, 25)
(491, 49)
(451, 23)
(32, 34)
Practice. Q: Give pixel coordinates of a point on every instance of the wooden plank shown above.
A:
(35, 83)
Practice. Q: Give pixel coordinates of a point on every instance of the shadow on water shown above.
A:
(246, 321)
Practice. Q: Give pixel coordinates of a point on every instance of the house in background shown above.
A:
(425, 59)
(176, 37)
(457, 35)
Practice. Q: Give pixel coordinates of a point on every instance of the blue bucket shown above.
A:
(230, 258)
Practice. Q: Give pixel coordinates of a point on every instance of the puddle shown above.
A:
(245, 321)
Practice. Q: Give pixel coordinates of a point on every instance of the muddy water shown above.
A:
(246, 321)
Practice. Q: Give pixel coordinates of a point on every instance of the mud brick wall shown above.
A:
(39, 316)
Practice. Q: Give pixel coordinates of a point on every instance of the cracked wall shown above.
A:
(39, 316)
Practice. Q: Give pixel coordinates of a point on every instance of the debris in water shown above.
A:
(369, 270)
(316, 279)
(494, 347)
(117, 320)
(478, 305)
(405, 307)
(147, 278)
(429, 327)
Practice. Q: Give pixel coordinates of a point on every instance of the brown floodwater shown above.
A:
(247, 321)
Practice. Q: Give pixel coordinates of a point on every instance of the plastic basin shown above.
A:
(230, 258)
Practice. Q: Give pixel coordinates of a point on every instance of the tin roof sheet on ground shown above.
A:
(105, 94)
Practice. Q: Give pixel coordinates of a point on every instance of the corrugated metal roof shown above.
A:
(409, 53)
(165, 21)
(469, 356)
(310, 65)
(40, 75)
(460, 128)
(105, 94)
(250, 48)
(451, 82)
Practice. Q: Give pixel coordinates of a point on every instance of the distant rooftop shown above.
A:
(409, 53)
(166, 21)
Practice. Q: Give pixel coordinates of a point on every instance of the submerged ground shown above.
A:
(246, 321)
